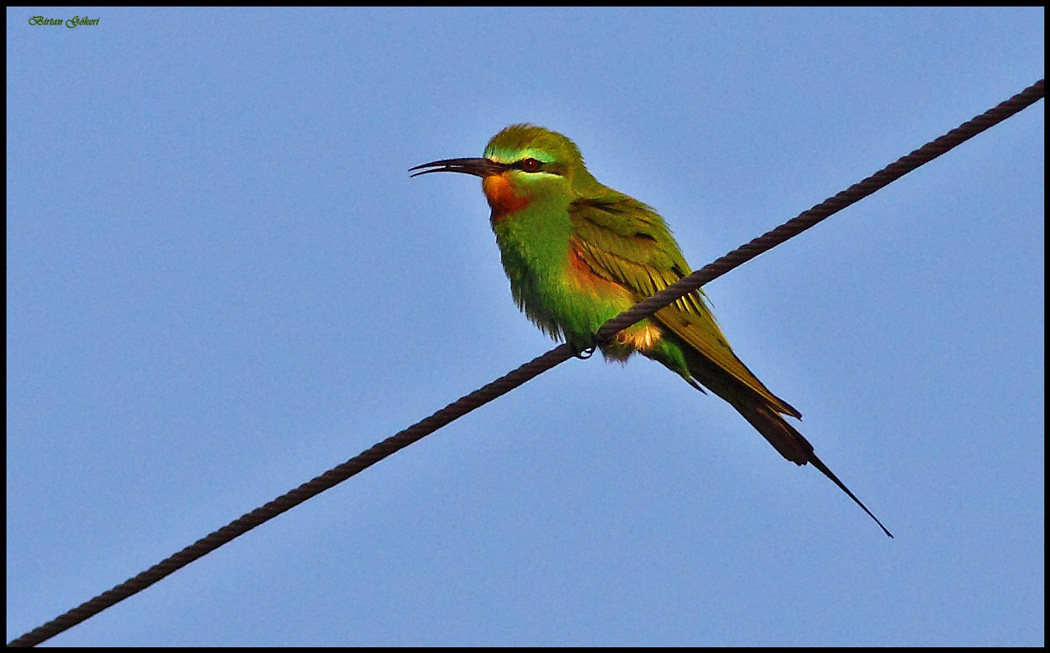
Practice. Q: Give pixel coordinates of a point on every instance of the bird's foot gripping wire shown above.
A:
(584, 354)
(585, 348)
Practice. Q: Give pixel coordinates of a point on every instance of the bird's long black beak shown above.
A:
(476, 167)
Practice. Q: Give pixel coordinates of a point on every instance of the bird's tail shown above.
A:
(784, 438)
(789, 442)
(760, 407)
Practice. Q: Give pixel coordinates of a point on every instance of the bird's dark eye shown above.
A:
(530, 165)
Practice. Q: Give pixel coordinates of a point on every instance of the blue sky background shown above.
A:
(221, 281)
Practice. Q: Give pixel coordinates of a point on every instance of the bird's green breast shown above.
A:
(549, 281)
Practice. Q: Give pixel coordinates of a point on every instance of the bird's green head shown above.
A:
(524, 164)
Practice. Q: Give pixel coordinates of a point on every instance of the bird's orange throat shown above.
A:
(501, 196)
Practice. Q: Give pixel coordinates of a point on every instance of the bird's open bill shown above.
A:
(477, 167)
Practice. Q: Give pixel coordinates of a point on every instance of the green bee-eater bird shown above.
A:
(578, 253)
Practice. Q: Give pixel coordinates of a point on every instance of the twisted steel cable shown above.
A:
(828, 207)
(533, 368)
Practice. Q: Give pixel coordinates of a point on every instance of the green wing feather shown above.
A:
(624, 241)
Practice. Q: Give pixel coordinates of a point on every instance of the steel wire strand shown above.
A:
(825, 209)
(290, 499)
